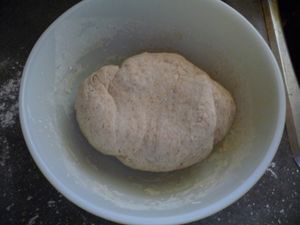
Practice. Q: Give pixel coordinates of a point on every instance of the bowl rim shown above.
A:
(135, 219)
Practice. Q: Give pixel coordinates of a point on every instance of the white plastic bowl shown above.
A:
(208, 33)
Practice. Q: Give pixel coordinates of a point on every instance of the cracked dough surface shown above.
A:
(156, 112)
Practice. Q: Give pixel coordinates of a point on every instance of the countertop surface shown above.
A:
(26, 197)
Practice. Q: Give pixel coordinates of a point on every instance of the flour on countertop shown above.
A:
(272, 173)
(33, 220)
(273, 165)
(10, 206)
(9, 102)
(270, 169)
(4, 153)
(9, 91)
(51, 203)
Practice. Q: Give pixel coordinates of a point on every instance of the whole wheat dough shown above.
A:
(156, 112)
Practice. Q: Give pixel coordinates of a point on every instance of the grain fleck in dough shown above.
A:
(156, 112)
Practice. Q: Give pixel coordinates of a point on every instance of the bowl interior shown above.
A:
(95, 33)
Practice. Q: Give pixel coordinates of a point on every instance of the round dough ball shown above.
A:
(157, 112)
